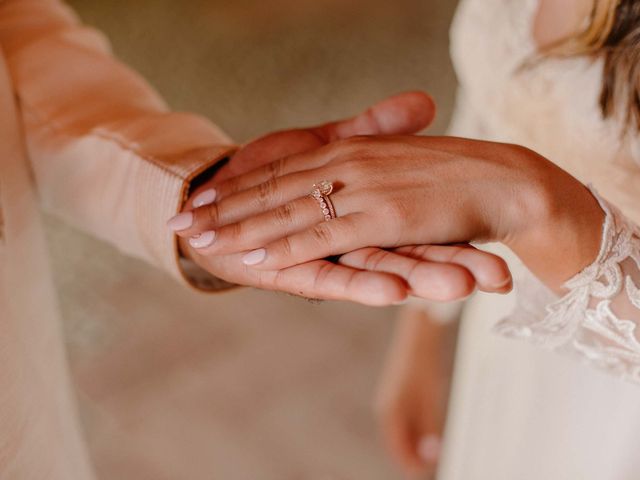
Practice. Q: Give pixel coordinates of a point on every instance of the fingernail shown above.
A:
(205, 198)
(182, 221)
(255, 257)
(429, 448)
(202, 240)
(504, 284)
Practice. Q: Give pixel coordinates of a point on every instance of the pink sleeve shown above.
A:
(107, 154)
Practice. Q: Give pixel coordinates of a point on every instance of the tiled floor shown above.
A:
(177, 385)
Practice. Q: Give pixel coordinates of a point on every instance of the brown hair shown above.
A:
(612, 32)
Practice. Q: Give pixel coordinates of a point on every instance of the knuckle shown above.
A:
(265, 192)
(213, 214)
(230, 187)
(395, 212)
(286, 247)
(235, 232)
(284, 215)
(350, 147)
(322, 234)
(275, 168)
(373, 259)
(278, 280)
(355, 167)
(321, 276)
(262, 282)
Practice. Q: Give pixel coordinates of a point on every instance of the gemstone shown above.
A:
(325, 211)
(325, 187)
(323, 204)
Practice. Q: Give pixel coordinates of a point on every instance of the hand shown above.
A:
(405, 190)
(412, 395)
(408, 113)
(434, 273)
(405, 113)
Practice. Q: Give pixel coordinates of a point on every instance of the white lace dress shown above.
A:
(519, 411)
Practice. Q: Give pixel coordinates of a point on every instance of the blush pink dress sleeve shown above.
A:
(107, 154)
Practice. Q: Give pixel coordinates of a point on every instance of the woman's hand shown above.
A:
(372, 276)
(403, 190)
(369, 275)
(412, 395)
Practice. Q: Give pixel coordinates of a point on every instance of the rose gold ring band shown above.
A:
(320, 193)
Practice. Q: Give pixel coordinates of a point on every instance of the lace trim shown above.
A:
(583, 321)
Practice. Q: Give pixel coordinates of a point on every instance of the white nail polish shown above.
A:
(429, 448)
(182, 221)
(205, 198)
(255, 257)
(202, 240)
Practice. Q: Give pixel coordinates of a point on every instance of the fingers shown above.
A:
(398, 436)
(267, 173)
(324, 239)
(256, 231)
(405, 113)
(262, 198)
(429, 449)
(268, 149)
(427, 279)
(491, 272)
(325, 280)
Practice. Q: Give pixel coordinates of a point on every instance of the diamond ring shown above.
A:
(320, 193)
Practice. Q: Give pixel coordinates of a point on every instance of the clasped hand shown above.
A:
(254, 223)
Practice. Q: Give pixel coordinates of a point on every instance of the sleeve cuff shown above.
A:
(164, 186)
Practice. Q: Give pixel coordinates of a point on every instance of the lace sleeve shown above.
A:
(597, 318)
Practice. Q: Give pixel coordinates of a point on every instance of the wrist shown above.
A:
(561, 230)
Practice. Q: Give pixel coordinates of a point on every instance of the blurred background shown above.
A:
(244, 385)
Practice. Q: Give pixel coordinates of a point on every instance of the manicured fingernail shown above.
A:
(205, 198)
(255, 257)
(182, 221)
(202, 240)
(429, 448)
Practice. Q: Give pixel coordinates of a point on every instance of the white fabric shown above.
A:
(586, 320)
(519, 411)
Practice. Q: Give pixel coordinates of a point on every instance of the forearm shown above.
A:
(428, 338)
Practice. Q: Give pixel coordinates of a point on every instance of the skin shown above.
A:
(411, 398)
(412, 394)
(421, 190)
(394, 191)
(556, 20)
(419, 364)
(368, 275)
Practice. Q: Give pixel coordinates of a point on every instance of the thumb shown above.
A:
(405, 113)
(402, 114)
